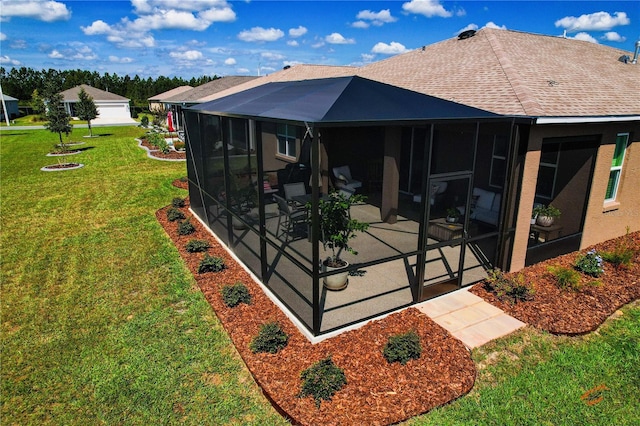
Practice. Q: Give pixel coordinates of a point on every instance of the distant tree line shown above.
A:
(21, 83)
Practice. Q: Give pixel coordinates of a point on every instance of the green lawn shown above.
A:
(102, 323)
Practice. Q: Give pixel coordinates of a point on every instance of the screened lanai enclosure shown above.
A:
(439, 181)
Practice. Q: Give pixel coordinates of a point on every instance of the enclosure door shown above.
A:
(446, 223)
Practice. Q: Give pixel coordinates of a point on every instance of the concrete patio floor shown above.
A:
(469, 318)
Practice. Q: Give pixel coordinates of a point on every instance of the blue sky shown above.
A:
(190, 38)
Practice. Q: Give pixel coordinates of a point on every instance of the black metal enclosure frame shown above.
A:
(226, 163)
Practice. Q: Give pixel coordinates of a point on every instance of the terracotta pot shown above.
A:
(337, 281)
(545, 220)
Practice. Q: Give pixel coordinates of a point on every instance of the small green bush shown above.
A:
(322, 380)
(184, 179)
(271, 338)
(566, 278)
(590, 264)
(178, 145)
(144, 121)
(196, 246)
(186, 227)
(178, 202)
(211, 264)
(174, 214)
(512, 289)
(622, 254)
(402, 347)
(233, 295)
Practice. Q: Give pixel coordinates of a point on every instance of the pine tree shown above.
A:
(86, 109)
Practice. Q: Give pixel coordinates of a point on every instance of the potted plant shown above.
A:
(337, 230)
(452, 215)
(545, 215)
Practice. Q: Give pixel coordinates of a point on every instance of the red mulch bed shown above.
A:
(571, 312)
(154, 151)
(377, 393)
(182, 184)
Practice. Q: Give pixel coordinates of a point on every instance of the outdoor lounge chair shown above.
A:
(344, 179)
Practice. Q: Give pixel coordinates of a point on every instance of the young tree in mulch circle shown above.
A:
(86, 109)
(58, 121)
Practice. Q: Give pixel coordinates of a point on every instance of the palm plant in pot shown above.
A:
(337, 230)
(545, 215)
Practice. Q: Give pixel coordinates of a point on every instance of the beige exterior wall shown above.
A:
(610, 220)
(602, 222)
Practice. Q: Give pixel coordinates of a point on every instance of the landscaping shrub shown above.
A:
(195, 246)
(402, 347)
(211, 264)
(174, 214)
(271, 338)
(186, 227)
(512, 289)
(622, 254)
(233, 295)
(590, 263)
(566, 278)
(322, 380)
(156, 139)
(144, 121)
(178, 202)
(178, 145)
(184, 179)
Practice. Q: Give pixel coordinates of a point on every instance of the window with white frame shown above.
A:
(286, 135)
(498, 162)
(622, 139)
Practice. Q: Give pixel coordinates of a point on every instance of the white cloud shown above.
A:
(5, 60)
(374, 18)
(18, 44)
(270, 56)
(230, 61)
(585, 37)
(243, 70)
(490, 24)
(367, 57)
(56, 55)
(156, 15)
(3, 36)
(118, 60)
(260, 34)
(392, 48)
(47, 11)
(189, 55)
(599, 21)
(613, 36)
(292, 43)
(337, 38)
(427, 8)
(297, 32)
(360, 24)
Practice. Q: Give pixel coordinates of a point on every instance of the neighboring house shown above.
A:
(112, 108)
(486, 125)
(158, 101)
(195, 95)
(11, 104)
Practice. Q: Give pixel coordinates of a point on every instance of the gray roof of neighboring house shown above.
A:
(169, 93)
(71, 95)
(8, 98)
(197, 93)
(517, 73)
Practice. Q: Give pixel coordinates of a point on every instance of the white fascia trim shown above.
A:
(577, 120)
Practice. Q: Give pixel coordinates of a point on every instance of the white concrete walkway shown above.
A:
(469, 318)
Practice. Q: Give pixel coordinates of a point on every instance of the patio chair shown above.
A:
(344, 179)
(294, 189)
(288, 218)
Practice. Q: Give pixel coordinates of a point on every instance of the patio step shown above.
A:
(469, 318)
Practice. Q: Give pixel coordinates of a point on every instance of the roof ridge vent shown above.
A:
(466, 34)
